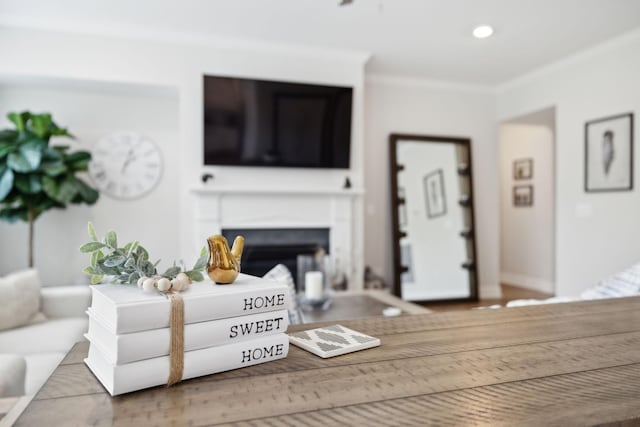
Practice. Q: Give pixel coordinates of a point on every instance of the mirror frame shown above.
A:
(397, 234)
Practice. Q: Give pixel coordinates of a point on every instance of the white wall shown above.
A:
(397, 106)
(527, 233)
(91, 113)
(597, 234)
(89, 58)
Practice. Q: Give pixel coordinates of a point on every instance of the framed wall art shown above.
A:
(523, 195)
(522, 169)
(434, 194)
(608, 154)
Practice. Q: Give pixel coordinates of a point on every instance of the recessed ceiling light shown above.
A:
(482, 32)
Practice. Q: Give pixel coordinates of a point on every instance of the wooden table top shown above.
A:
(357, 305)
(560, 364)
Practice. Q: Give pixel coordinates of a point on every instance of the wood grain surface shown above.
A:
(561, 364)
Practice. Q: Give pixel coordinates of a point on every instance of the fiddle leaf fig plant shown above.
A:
(127, 264)
(36, 176)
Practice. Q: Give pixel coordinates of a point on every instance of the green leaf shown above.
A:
(131, 262)
(67, 190)
(91, 246)
(53, 167)
(196, 276)
(6, 148)
(19, 119)
(201, 262)
(171, 272)
(13, 214)
(148, 268)
(45, 203)
(50, 187)
(97, 279)
(6, 182)
(92, 232)
(79, 160)
(8, 135)
(30, 183)
(95, 257)
(112, 271)
(58, 131)
(142, 252)
(133, 277)
(123, 278)
(32, 151)
(41, 124)
(53, 153)
(204, 251)
(131, 247)
(61, 149)
(90, 271)
(88, 194)
(114, 260)
(111, 239)
(18, 162)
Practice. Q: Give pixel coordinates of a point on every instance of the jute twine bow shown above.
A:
(176, 342)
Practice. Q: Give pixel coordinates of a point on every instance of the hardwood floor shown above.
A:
(509, 292)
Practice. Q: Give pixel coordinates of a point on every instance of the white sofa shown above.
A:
(41, 344)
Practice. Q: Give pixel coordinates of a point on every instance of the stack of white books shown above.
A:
(226, 327)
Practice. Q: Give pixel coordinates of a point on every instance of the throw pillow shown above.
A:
(281, 274)
(20, 298)
(623, 284)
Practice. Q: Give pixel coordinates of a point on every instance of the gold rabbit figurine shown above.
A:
(223, 265)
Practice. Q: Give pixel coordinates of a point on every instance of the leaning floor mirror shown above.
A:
(433, 219)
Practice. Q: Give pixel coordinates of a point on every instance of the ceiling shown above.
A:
(428, 39)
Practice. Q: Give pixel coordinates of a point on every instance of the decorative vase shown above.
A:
(314, 275)
(223, 265)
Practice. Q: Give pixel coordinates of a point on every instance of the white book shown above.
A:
(126, 308)
(126, 348)
(120, 379)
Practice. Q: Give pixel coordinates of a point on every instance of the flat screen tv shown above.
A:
(268, 123)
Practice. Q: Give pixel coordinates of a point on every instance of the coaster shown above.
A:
(332, 341)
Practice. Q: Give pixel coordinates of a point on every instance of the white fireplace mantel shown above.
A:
(328, 191)
(224, 207)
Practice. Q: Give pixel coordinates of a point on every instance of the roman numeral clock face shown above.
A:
(125, 165)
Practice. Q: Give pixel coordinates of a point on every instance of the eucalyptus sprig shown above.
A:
(127, 264)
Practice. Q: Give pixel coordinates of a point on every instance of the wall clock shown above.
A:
(125, 165)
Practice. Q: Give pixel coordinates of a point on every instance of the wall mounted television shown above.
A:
(269, 123)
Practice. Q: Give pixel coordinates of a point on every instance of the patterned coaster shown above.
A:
(332, 341)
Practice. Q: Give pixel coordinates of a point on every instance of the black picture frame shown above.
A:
(434, 194)
(600, 151)
(522, 169)
(523, 195)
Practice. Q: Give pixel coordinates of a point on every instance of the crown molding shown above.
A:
(407, 81)
(590, 52)
(181, 38)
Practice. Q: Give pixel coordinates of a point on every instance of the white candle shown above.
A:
(313, 285)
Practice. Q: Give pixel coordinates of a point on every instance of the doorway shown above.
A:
(527, 202)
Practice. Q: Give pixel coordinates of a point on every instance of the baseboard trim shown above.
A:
(490, 292)
(528, 282)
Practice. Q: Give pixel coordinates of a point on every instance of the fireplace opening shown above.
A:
(266, 247)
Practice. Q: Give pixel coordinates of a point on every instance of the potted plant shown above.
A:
(36, 176)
